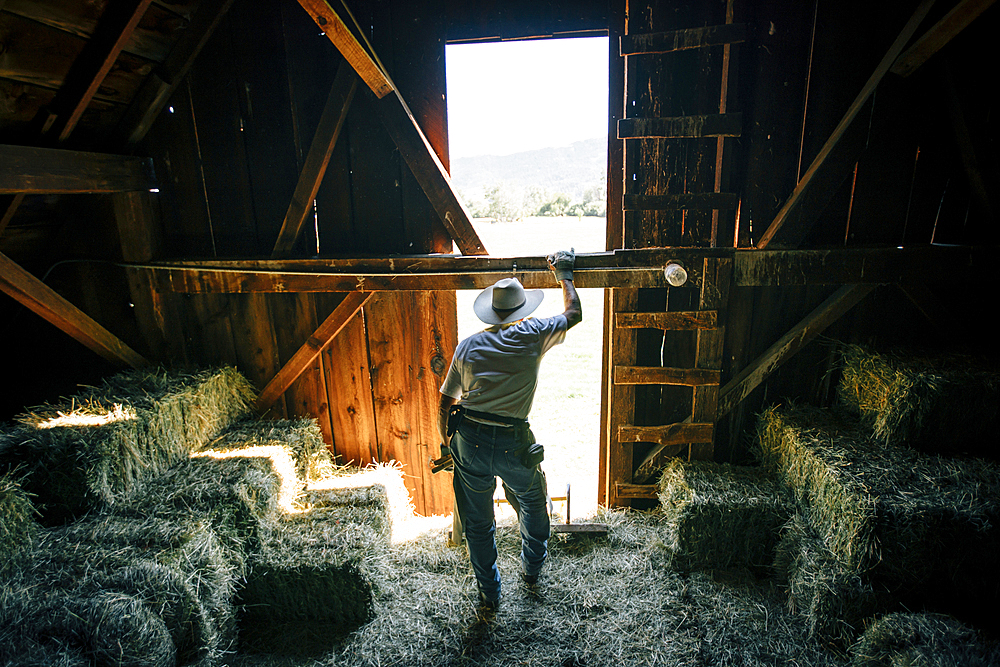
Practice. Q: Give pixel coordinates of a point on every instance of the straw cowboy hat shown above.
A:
(506, 301)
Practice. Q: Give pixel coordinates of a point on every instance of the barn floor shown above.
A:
(607, 601)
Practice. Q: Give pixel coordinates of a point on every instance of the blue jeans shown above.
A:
(481, 453)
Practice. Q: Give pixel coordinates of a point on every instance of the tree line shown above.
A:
(505, 202)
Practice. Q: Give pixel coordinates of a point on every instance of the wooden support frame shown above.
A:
(311, 348)
(793, 220)
(935, 39)
(27, 170)
(679, 40)
(788, 345)
(49, 305)
(324, 139)
(714, 125)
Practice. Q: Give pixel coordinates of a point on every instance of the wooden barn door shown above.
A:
(664, 346)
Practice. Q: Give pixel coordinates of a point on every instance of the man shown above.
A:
(485, 401)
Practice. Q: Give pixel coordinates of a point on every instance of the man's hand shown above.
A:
(562, 262)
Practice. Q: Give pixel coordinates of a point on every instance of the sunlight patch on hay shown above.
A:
(284, 466)
(88, 417)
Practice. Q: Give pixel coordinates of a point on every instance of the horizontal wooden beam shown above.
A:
(678, 40)
(340, 35)
(688, 377)
(670, 434)
(312, 348)
(29, 170)
(680, 127)
(619, 268)
(671, 321)
(935, 39)
(788, 345)
(644, 491)
(45, 302)
(701, 201)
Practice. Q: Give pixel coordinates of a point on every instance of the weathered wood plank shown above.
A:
(942, 32)
(678, 127)
(802, 333)
(688, 377)
(702, 201)
(311, 349)
(678, 40)
(792, 222)
(341, 36)
(673, 320)
(325, 138)
(352, 411)
(621, 400)
(637, 491)
(49, 305)
(30, 170)
(92, 66)
(714, 295)
(669, 434)
(157, 88)
(151, 40)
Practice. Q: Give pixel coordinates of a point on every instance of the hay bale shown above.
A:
(180, 573)
(946, 404)
(722, 516)
(17, 516)
(302, 439)
(833, 598)
(925, 640)
(94, 448)
(312, 581)
(236, 495)
(910, 520)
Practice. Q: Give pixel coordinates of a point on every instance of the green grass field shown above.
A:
(565, 416)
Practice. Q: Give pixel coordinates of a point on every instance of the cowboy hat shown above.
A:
(506, 301)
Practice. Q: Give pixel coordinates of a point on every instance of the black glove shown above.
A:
(562, 262)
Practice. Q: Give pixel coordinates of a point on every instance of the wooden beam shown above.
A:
(792, 222)
(46, 303)
(678, 40)
(311, 349)
(690, 377)
(429, 172)
(9, 208)
(324, 139)
(643, 491)
(85, 77)
(160, 85)
(670, 434)
(682, 127)
(788, 345)
(341, 36)
(690, 320)
(701, 201)
(30, 170)
(932, 41)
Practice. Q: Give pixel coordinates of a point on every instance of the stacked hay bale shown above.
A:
(880, 524)
(902, 639)
(312, 581)
(17, 516)
(721, 516)
(945, 404)
(113, 591)
(95, 447)
(301, 438)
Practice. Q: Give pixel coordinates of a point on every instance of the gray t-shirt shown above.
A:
(496, 370)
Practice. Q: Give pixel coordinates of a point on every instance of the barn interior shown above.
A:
(264, 186)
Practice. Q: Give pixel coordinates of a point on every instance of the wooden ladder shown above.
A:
(673, 194)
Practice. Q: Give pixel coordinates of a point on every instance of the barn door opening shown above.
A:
(527, 126)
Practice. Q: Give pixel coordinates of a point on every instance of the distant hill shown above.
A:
(568, 169)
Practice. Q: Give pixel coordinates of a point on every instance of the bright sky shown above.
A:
(508, 97)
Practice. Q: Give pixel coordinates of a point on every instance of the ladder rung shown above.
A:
(649, 491)
(668, 434)
(680, 127)
(662, 375)
(679, 40)
(722, 201)
(673, 321)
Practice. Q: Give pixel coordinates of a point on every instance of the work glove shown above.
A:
(561, 262)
